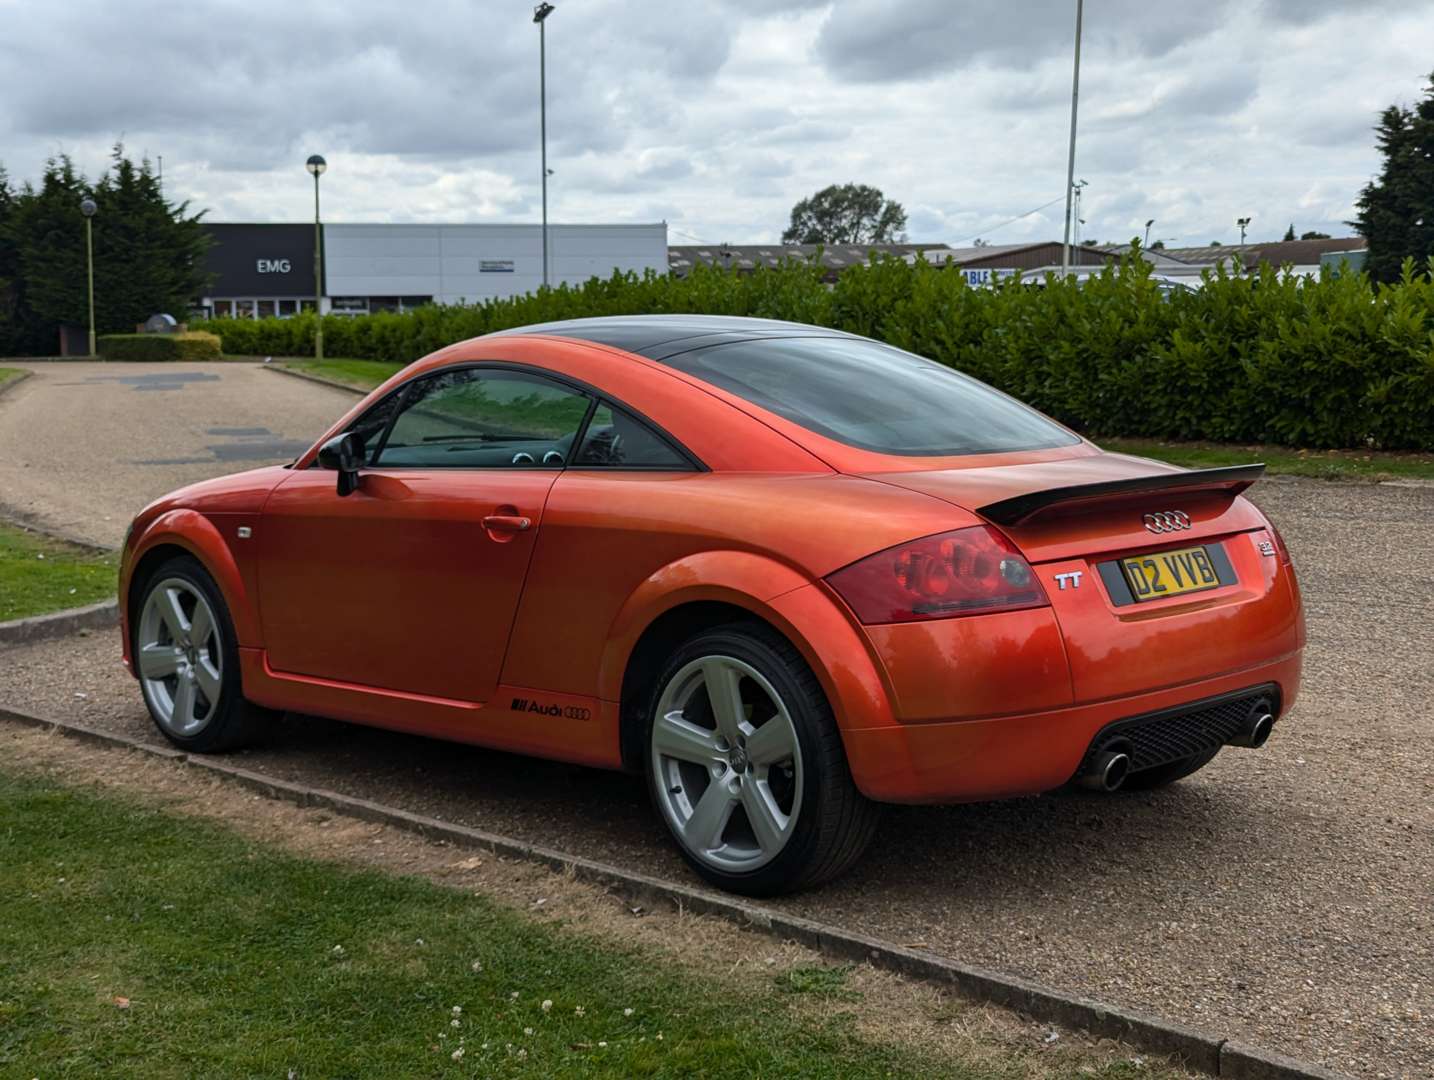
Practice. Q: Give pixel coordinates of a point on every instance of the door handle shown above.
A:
(508, 523)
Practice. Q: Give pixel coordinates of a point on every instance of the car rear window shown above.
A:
(873, 396)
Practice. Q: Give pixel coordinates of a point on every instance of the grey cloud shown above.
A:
(1305, 12)
(453, 82)
(778, 7)
(1205, 93)
(875, 41)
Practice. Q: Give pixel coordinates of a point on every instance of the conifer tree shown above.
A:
(1396, 211)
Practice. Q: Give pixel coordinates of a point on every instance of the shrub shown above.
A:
(1333, 362)
(188, 346)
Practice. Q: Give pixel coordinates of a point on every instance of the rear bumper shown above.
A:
(971, 760)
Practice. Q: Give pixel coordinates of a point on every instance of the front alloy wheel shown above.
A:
(746, 766)
(180, 657)
(186, 656)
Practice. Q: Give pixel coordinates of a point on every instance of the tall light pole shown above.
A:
(1080, 185)
(316, 165)
(540, 16)
(88, 207)
(1149, 223)
(1244, 223)
(1070, 159)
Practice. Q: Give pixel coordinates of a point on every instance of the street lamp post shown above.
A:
(316, 165)
(1244, 223)
(540, 16)
(88, 207)
(1079, 221)
(1070, 158)
(1149, 223)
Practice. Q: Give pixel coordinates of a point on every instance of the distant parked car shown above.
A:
(786, 573)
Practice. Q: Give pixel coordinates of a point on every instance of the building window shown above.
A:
(223, 309)
(287, 308)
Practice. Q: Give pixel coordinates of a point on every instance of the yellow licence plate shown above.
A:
(1169, 573)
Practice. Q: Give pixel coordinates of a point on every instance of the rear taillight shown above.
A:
(965, 572)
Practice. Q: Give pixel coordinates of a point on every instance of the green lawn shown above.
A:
(363, 374)
(1322, 464)
(138, 943)
(8, 374)
(39, 574)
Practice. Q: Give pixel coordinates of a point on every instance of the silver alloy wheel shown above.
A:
(727, 764)
(180, 657)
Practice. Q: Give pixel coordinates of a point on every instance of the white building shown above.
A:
(262, 270)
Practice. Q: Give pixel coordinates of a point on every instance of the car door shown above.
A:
(410, 583)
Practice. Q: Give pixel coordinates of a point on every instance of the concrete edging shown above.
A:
(1198, 1050)
(59, 624)
(331, 383)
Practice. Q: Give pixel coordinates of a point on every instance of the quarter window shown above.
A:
(480, 418)
(616, 440)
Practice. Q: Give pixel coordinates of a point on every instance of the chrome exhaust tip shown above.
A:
(1256, 730)
(1107, 771)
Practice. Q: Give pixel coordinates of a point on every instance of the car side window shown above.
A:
(371, 425)
(617, 440)
(483, 418)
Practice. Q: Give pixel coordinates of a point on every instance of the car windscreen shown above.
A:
(872, 396)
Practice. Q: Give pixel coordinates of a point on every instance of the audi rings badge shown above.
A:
(1166, 521)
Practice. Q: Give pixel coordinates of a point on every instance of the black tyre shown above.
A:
(746, 767)
(1158, 777)
(186, 656)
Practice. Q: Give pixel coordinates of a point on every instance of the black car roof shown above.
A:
(660, 336)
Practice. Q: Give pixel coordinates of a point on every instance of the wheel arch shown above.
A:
(649, 654)
(735, 587)
(187, 532)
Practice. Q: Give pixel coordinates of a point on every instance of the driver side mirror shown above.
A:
(343, 453)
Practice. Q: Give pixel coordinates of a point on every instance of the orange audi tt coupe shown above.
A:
(786, 573)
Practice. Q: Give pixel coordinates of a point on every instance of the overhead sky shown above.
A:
(718, 115)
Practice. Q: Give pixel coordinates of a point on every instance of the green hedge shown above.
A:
(192, 345)
(1335, 362)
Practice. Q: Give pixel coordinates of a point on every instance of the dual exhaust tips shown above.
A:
(1109, 767)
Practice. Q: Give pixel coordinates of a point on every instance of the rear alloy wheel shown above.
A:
(746, 766)
(187, 660)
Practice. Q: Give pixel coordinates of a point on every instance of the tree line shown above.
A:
(148, 253)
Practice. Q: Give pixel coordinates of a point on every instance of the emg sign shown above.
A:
(273, 266)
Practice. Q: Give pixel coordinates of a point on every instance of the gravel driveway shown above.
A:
(1283, 896)
(85, 445)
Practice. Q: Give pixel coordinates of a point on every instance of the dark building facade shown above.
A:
(259, 270)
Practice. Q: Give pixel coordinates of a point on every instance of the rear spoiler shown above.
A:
(1228, 481)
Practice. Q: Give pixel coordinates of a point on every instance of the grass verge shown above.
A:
(137, 942)
(9, 374)
(1281, 460)
(39, 574)
(361, 374)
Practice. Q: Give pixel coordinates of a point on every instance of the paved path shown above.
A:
(1283, 895)
(83, 446)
